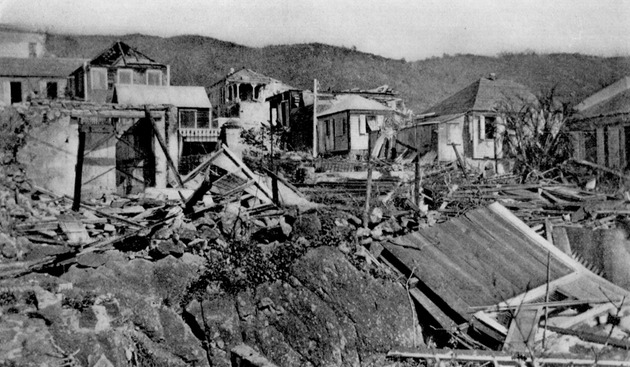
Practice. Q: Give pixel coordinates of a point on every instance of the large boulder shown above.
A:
(327, 314)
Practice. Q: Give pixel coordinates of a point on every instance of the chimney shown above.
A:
(231, 70)
(492, 76)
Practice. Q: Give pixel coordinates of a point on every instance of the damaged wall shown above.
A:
(52, 141)
(50, 153)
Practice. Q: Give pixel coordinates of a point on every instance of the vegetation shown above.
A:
(536, 136)
(197, 60)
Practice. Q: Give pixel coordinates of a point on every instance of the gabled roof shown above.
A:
(39, 67)
(179, 96)
(122, 51)
(484, 95)
(353, 102)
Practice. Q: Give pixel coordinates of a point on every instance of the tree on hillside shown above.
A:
(536, 136)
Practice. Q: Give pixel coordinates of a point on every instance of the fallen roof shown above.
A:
(180, 96)
(486, 257)
(38, 67)
(480, 258)
(353, 102)
(484, 95)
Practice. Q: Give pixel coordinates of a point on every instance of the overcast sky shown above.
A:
(413, 29)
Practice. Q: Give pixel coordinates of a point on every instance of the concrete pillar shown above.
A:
(231, 137)
(238, 94)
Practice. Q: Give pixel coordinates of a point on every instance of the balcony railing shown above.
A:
(199, 134)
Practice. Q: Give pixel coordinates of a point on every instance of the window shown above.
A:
(362, 125)
(154, 77)
(187, 118)
(51, 90)
(99, 78)
(487, 127)
(327, 124)
(16, 92)
(125, 76)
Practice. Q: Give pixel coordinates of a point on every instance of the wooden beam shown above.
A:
(78, 175)
(601, 146)
(498, 358)
(160, 139)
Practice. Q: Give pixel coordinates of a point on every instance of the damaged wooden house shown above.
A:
(344, 118)
(119, 64)
(468, 123)
(600, 127)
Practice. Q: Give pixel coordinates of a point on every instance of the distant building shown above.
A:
(33, 78)
(468, 121)
(242, 95)
(293, 110)
(119, 64)
(600, 127)
(17, 42)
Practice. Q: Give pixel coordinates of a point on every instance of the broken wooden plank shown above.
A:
(128, 210)
(591, 337)
(203, 188)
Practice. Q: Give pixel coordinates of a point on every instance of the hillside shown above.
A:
(197, 60)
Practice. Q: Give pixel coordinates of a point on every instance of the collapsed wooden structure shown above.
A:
(491, 282)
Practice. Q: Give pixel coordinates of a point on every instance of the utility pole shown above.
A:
(315, 118)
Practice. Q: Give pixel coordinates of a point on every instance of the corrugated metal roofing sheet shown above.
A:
(480, 258)
(39, 67)
(179, 96)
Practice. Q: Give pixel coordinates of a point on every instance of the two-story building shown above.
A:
(190, 133)
(241, 96)
(120, 64)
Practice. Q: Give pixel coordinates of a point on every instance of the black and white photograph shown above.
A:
(314, 183)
